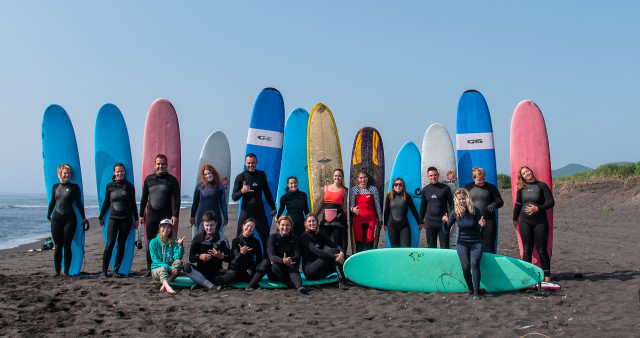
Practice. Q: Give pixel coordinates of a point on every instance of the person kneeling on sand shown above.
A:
(166, 255)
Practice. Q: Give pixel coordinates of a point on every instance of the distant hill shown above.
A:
(569, 170)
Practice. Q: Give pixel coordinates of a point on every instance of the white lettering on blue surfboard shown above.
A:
(474, 141)
(265, 138)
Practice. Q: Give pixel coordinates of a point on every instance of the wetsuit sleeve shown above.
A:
(305, 205)
(271, 251)
(175, 187)
(386, 214)
(376, 200)
(196, 201)
(223, 202)
(52, 203)
(106, 203)
(548, 197)
(235, 252)
(282, 205)
(352, 197)
(517, 207)
(132, 200)
(423, 205)
(78, 199)
(452, 219)
(225, 252)
(495, 193)
(449, 199)
(307, 244)
(328, 242)
(194, 249)
(145, 198)
(237, 188)
(477, 218)
(267, 192)
(412, 207)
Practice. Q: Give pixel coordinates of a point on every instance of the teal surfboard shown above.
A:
(59, 146)
(265, 283)
(112, 146)
(407, 167)
(436, 270)
(294, 154)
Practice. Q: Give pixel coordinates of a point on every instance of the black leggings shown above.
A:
(489, 235)
(538, 234)
(63, 228)
(399, 236)
(288, 275)
(335, 233)
(470, 254)
(117, 228)
(433, 232)
(230, 276)
(323, 267)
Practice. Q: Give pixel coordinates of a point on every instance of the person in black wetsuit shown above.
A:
(208, 251)
(159, 191)
(533, 199)
(246, 254)
(209, 195)
(296, 203)
(486, 197)
(397, 203)
(250, 185)
(316, 262)
(63, 220)
(469, 245)
(121, 198)
(436, 201)
(282, 263)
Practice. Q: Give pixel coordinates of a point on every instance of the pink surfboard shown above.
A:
(161, 136)
(530, 147)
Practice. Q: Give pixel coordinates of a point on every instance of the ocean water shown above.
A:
(23, 217)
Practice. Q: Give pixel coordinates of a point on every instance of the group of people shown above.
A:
(301, 237)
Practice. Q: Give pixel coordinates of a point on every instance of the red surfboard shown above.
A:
(530, 147)
(162, 136)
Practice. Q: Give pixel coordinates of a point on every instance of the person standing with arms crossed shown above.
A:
(250, 185)
(436, 201)
(156, 203)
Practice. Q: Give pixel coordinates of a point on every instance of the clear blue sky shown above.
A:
(395, 66)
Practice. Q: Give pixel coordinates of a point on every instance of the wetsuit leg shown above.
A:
(226, 277)
(263, 268)
(431, 233)
(476, 256)
(69, 231)
(123, 233)
(444, 239)
(196, 276)
(241, 218)
(464, 253)
(287, 275)
(541, 237)
(57, 235)
(405, 237)
(394, 236)
(152, 224)
(318, 269)
(489, 235)
(262, 227)
(526, 236)
(112, 232)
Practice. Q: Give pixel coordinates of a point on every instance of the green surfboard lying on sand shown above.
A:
(265, 283)
(436, 270)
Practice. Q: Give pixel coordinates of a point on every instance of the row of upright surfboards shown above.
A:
(307, 147)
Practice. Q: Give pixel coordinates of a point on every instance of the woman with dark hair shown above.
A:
(63, 220)
(296, 203)
(209, 195)
(533, 199)
(333, 200)
(397, 203)
(121, 198)
(318, 263)
(365, 206)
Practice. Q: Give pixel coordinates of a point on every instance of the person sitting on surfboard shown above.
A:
(166, 255)
(436, 201)
(296, 203)
(246, 254)
(469, 245)
(316, 262)
(208, 250)
(333, 200)
(533, 199)
(396, 222)
(486, 197)
(63, 220)
(120, 196)
(284, 255)
(159, 191)
(250, 185)
(365, 205)
(209, 195)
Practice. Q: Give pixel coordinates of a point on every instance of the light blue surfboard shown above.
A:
(407, 167)
(474, 140)
(294, 154)
(59, 146)
(112, 146)
(265, 137)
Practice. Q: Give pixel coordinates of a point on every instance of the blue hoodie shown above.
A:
(163, 255)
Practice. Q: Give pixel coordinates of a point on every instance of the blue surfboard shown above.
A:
(112, 146)
(265, 137)
(294, 154)
(59, 146)
(474, 136)
(407, 166)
